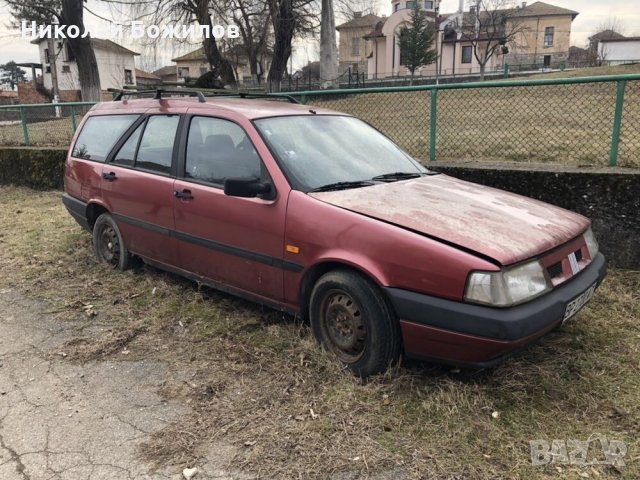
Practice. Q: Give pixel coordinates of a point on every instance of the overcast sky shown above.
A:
(592, 14)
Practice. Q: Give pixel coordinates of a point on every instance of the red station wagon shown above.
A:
(317, 213)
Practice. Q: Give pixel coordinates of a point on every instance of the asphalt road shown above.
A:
(63, 420)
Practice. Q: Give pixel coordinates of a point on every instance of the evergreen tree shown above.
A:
(416, 40)
(11, 74)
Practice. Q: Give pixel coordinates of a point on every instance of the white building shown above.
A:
(618, 51)
(116, 65)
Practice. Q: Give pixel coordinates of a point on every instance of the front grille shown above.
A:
(555, 270)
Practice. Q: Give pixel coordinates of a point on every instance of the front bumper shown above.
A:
(468, 334)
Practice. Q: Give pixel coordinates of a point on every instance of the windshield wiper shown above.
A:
(395, 176)
(343, 186)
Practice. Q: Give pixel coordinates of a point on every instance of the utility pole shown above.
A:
(437, 23)
(52, 65)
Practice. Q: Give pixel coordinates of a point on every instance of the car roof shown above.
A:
(249, 108)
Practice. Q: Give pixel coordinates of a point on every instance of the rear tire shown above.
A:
(108, 243)
(351, 318)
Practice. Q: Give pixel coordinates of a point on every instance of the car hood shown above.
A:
(501, 225)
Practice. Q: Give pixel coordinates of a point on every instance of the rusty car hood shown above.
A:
(494, 223)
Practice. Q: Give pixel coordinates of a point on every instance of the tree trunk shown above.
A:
(73, 14)
(328, 49)
(219, 65)
(482, 68)
(283, 29)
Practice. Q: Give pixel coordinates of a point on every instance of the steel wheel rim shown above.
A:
(109, 245)
(343, 325)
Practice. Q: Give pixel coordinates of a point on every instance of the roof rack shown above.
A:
(159, 92)
(258, 95)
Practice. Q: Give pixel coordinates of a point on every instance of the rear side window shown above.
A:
(156, 147)
(99, 134)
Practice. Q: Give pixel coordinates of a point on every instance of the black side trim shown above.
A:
(499, 323)
(222, 247)
(221, 286)
(77, 209)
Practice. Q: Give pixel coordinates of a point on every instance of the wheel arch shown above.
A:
(94, 210)
(317, 270)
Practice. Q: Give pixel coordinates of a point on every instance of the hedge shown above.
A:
(38, 168)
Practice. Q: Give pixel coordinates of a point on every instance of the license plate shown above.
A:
(577, 303)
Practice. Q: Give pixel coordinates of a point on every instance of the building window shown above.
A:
(183, 72)
(203, 70)
(547, 61)
(428, 5)
(548, 36)
(70, 55)
(65, 69)
(411, 5)
(355, 47)
(466, 54)
(396, 7)
(128, 77)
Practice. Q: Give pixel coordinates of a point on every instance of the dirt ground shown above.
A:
(141, 374)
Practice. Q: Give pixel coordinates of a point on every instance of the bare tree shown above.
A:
(490, 26)
(289, 18)
(163, 12)
(346, 10)
(253, 20)
(328, 47)
(65, 12)
(608, 29)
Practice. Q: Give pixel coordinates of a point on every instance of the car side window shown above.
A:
(99, 134)
(127, 154)
(219, 149)
(156, 147)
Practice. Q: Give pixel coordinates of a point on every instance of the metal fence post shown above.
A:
(73, 119)
(434, 123)
(25, 127)
(617, 123)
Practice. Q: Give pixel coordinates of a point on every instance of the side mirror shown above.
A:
(246, 187)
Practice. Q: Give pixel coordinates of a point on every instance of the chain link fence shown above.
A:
(579, 121)
(569, 121)
(41, 125)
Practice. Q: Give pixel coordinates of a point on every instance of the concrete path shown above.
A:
(67, 421)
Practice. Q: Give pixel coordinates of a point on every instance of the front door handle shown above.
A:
(183, 194)
(110, 177)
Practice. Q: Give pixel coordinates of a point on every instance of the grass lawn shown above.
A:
(56, 132)
(565, 124)
(261, 384)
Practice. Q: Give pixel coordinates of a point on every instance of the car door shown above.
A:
(234, 241)
(138, 187)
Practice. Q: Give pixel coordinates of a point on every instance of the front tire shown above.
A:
(108, 243)
(351, 318)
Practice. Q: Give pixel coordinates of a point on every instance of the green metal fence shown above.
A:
(46, 124)
(592, 121)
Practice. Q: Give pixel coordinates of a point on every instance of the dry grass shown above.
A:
(260, 384)
(564, 124)
(589, 72)
(57, 132)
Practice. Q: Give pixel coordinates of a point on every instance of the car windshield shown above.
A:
(321, 151)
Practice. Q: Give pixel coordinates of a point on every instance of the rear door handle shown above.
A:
(183, 194)
(110, 177)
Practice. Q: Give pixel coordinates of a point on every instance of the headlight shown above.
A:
(507, 287)
(592, 243)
